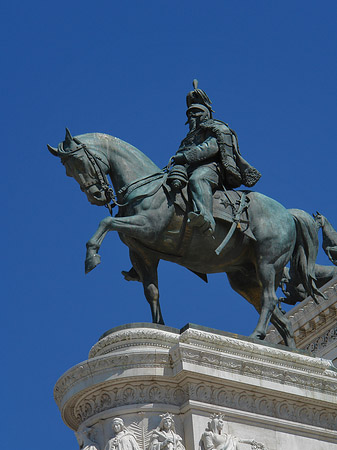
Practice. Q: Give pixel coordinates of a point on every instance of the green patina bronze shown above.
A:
(189, 214)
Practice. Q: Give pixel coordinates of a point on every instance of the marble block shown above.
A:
(219, 390)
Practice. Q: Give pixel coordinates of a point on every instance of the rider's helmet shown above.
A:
(198, 99)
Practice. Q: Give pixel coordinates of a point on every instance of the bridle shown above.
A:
(101, 177)
(125, 191)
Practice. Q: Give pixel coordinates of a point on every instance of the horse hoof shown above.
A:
(257, 335)
(132, 275)
(291, 345)
(92, 262)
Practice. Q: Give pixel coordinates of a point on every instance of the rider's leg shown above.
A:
(202, 182)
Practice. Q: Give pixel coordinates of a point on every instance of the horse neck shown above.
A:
(329, 233)
(127, 163)
(326, 225)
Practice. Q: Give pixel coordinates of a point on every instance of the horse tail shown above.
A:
(302, 262)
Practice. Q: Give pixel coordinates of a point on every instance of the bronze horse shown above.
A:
(153, 226)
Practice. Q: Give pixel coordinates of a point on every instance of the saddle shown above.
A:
(229, 206)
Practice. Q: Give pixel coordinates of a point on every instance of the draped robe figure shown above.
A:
(122, 439)
(164, 437)
(214, 438)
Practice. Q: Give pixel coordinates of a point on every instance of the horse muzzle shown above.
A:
(96, 196)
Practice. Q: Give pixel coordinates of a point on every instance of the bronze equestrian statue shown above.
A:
(160, 216)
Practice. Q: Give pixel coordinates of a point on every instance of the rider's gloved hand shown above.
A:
(179, 158)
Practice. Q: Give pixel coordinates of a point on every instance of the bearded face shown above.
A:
(195, 117)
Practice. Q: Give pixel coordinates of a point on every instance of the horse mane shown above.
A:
(103, 141)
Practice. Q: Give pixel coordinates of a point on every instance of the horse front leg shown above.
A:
(146, 267)
(134, 226)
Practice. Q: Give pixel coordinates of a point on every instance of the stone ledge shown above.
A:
(140, 366)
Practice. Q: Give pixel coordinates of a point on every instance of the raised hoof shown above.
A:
(92, 262)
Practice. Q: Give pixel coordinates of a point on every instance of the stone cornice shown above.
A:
(137, 367)
(255, 351)
(134, 337)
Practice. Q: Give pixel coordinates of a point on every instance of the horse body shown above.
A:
(154, 228)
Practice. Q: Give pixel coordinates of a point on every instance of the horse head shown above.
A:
(87, 166)
(319, 220)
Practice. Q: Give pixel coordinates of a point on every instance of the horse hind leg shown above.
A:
(283, 326)
(248, 286)
(245, 284)
(268, 300)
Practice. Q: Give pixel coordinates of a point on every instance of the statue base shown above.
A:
(281, 398)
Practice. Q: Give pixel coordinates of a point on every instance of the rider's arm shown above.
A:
(198, 153)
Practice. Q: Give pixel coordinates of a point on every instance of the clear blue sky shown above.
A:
(270, 69)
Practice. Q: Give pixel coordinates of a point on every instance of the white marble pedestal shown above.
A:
(283, 399)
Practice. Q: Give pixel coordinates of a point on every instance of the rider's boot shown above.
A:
(204, 221)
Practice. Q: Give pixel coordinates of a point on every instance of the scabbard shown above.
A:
(233, 226)
(227, 238)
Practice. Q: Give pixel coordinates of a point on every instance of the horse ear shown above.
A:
(68, 139)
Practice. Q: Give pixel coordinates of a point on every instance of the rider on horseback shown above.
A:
(211, 156)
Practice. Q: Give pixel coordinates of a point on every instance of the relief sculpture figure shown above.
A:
(122, 438)
(164, 437)
(214, 438)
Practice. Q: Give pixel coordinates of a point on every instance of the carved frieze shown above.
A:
(326, 339)
(129, 394)
(208, 393)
